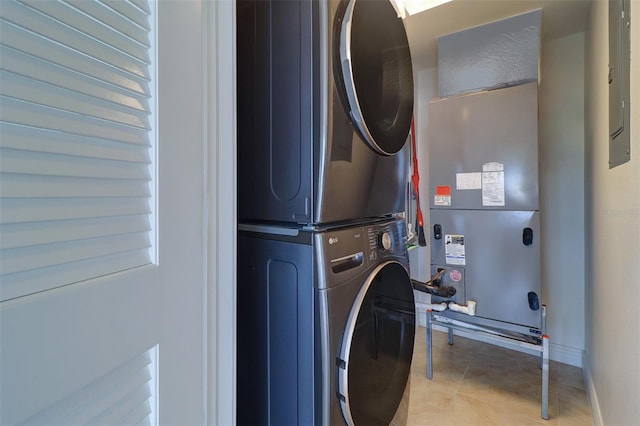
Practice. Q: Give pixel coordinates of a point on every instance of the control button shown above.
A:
(384, 240)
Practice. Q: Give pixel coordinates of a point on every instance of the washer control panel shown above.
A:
(345, 252)
(386, 238)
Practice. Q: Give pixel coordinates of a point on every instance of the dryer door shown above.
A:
(377, 347)
(376, 74)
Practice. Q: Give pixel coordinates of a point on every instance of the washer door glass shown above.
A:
(376, 73)
(377, 347)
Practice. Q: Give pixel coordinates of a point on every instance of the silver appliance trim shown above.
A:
(324, 107)
(325, 358)
(266, 229)
(349, 83)
(345, 350)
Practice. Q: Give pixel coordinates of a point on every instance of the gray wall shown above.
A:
(612, 234)
(561, 138)
(561, 150)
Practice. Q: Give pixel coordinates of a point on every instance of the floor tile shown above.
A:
(476, 383)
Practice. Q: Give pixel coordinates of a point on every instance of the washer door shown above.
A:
(377, 347)
(376, 73)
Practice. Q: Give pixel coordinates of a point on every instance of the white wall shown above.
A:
(419, 257)
(561, 138)
(561, 151)
(427, 89)
(612, 233)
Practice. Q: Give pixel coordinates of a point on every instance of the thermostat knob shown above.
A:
(384, 241)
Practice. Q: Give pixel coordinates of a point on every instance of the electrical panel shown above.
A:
(619, 82)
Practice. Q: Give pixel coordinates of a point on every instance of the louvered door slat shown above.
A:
(29, 186)
(142, 5)
(107, 393)
(102, 13)
(35, 280)
(133, 404)
(47, 72)
(32, 44)
(29, 90)
(46, 141)
(144, 422)
(46, 164)
(51, 29)
(82, 22)
(38, 233)
(129, 10)
(111, 393)
(35, 115)
(30, 258)
(23, 210)
(139, 417)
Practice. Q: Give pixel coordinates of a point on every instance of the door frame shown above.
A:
(220, 216)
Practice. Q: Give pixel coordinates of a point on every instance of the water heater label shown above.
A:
(454, 249)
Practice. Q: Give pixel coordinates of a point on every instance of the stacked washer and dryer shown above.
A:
(326, 315)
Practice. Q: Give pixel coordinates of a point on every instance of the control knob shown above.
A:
(384, 240)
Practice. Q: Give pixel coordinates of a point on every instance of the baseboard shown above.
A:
(565, 354)
(559, 353)
(591, 392)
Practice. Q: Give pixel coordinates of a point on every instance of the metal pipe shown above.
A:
(429, 360)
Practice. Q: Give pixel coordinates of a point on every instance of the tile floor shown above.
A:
(476, 383)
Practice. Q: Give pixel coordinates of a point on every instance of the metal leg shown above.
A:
(493, 336)
(545, 377)
(429, 360)
(544, 328)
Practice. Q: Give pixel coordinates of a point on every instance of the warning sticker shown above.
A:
(443, 196)
(455, 275)
(454, 249)
(493, 167)
(493, 184)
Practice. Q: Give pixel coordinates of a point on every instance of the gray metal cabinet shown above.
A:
(469, 134)
(484, 201)
(489, 262)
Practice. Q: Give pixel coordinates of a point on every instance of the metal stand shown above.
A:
(491, 335)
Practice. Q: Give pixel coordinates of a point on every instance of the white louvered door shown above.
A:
(102, 151)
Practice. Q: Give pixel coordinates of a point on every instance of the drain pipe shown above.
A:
(470, 309)
(433, 306)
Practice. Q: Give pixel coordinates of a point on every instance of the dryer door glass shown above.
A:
(376, 73)
(377, 347)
